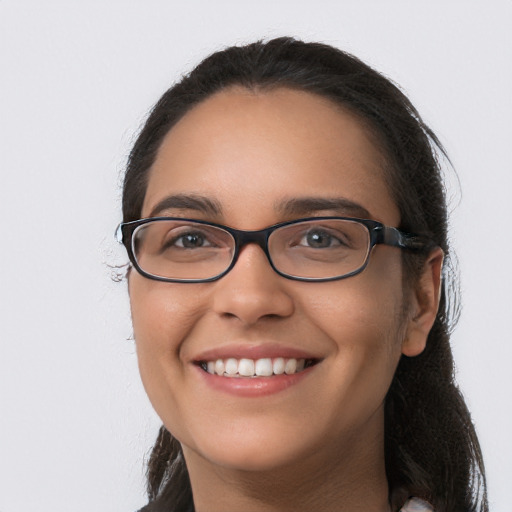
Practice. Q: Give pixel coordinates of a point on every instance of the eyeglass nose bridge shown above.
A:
(243, 238)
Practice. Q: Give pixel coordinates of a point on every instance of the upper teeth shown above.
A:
(249, 367)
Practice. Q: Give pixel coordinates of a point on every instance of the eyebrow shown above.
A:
(187, 202)
(307, 205)
(302, 206)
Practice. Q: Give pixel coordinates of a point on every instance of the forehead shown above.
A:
(247, 149)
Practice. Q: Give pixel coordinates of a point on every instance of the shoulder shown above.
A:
(416, 505)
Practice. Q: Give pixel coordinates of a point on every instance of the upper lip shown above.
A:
(254, 351)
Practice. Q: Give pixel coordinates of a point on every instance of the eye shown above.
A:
(319, 239)
(190, 241)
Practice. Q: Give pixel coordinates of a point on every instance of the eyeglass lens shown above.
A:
(322, 249)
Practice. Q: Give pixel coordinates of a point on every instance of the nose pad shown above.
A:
(252, 290)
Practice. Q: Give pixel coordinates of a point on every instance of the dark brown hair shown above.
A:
(431, 447)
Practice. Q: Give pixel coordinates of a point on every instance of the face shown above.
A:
(257, 157)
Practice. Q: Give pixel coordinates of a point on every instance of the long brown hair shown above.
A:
(431, 447)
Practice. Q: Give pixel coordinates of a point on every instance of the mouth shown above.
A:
(256, 368)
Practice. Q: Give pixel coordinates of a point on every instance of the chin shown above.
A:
(252, 448)
(251, 460)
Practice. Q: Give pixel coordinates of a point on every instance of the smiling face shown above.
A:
(250, 160)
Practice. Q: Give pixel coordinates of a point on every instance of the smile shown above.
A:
(249, 368)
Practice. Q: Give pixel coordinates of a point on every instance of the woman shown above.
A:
(284, 214)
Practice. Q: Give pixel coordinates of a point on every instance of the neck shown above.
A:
(354, 480)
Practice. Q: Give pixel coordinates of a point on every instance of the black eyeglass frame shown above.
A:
(379, 234)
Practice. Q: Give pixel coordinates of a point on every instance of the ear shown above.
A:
(424, 304)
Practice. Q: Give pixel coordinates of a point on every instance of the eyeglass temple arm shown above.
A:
(119, 233)
(396, 238)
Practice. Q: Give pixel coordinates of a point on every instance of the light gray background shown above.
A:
(76, 79)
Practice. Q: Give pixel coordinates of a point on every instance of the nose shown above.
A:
(252, 291)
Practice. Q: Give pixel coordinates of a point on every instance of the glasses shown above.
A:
(313, 249)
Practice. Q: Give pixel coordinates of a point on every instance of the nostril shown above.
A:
(228, 315)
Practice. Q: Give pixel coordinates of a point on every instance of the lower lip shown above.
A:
(253, 386)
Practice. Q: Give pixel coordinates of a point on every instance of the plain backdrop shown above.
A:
(76, 81)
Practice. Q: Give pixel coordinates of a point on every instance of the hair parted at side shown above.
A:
(432, 451)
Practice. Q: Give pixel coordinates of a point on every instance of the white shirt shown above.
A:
(416, 505)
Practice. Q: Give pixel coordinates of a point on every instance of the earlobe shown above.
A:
(425, 303)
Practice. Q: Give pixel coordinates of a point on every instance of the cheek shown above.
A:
(163, 314)
(365, 327)
(368, 308)
(364, 318)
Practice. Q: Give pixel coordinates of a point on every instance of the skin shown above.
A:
(318, 444)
